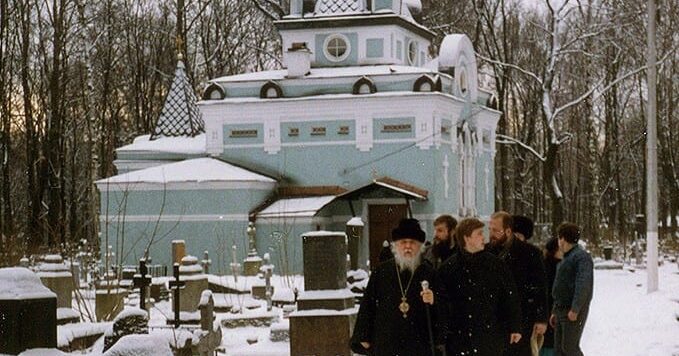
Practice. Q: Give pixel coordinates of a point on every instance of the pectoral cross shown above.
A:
(404, 307)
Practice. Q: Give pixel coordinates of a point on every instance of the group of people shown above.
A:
(461, 295)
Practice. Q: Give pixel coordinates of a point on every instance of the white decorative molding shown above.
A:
(272, 136)
(446, 185)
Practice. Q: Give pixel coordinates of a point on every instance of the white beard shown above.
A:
(407, 263)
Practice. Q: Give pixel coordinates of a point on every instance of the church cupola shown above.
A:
(343, 33)
(180, 115)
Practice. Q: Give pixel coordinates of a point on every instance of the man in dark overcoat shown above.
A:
(526, 264)
(479, 293)
(392, 319)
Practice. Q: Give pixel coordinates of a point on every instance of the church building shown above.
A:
(363, 122)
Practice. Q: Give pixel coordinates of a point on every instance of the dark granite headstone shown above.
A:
(24, 304)
(325, 256)
(325, 317)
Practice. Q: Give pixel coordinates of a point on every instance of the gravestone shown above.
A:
(176, 286)
(130, 321)
(192, 274)
(25, 304)
(354, 233)
(142, 280)
(178, 250)
(253, 262)
(206, 262)
(325, 316)
(210, 336)
(56, 276)
(109, 298)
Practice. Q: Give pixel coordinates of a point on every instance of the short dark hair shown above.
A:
(465, 228)
(569, 232)
(447, 220)
(523, 225)
(507, 220)
(551, 247)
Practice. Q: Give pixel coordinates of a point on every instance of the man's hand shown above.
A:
(540, 328)
(552, 320)
(365, 344)
(572, 316)
(427, 296)
(514, 338)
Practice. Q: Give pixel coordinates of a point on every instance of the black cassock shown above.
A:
(381, 323)
(482, 303)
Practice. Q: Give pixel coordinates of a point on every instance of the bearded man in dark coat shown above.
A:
(525, 262)
(392, 319)
(443, 245)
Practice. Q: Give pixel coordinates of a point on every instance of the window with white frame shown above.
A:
(336, 47)
(466, 143)
(412, 52)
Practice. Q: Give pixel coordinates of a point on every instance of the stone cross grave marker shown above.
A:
(175, 286)
(206, 262)
(235, 266)
(142, 280)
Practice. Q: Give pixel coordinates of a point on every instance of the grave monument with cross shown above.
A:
(175, 287)
(142, 280)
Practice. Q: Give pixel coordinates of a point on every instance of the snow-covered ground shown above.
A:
(626, 321)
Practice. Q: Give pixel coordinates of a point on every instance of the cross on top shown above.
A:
(142, 280)
(175, 286)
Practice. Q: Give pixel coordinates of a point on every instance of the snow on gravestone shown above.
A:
(130, 321)
(28, 312)
(56, 276)
(140, 345)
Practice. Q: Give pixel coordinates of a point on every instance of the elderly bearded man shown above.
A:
(392, 319)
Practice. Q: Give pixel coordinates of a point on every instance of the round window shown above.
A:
(337, 48)
(412, 52)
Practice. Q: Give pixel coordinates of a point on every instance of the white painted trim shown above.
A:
(175, 218)
(209, 185)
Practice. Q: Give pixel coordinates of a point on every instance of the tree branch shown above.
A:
(508, 140)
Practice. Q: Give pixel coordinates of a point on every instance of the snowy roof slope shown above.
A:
(21, 283)
(181, 144)
(331, 72)
(191, 170)
(296, 207)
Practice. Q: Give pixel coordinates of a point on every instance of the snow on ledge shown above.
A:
(323, 233)
(325, 294)
(21, 283)
(186, 145)
(324, 312)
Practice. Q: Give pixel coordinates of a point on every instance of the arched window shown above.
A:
(364, 86)
(214, 92)
(270, 90)
(424, 84)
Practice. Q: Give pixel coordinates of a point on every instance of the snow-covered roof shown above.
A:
(180, 144)
(180, 115)
(20, 283)
(191, 170)
(330, 72)
(296, 207)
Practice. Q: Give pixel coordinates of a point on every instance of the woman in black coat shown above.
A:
(481, 297)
